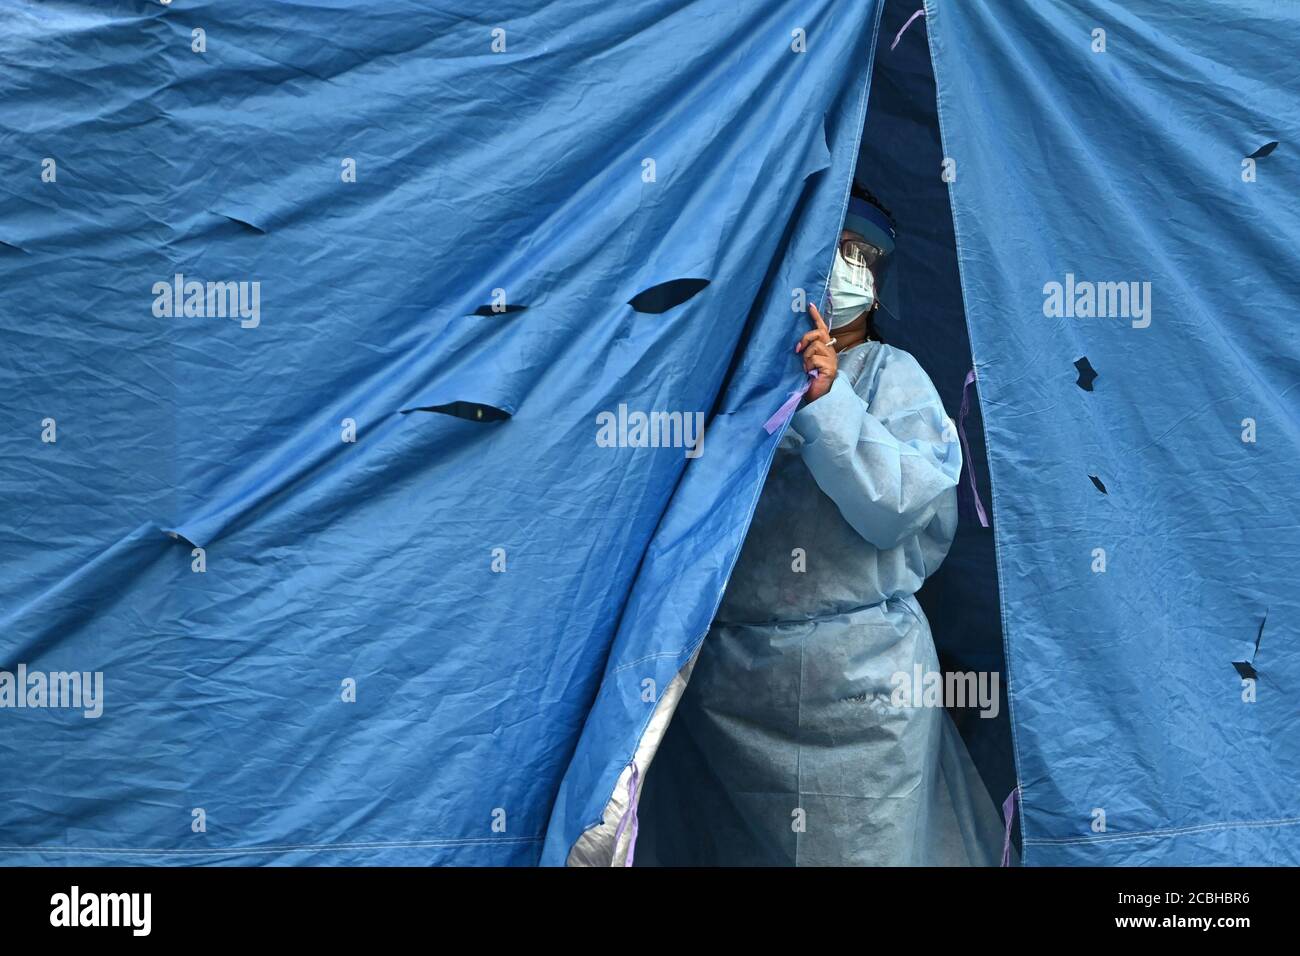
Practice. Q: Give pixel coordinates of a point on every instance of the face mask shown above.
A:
(852, 290)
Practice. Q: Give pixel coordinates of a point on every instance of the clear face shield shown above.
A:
(852, 282)
(858, 252)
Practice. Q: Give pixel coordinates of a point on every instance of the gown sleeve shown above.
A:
(889, 459)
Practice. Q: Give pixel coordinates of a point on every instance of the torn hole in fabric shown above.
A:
(248, 218)
(488, 311)
(667, 295)
(1247, 668)
(479, 377)
(246, 224)
(182, 535)
(470, 411)
(1087, 374)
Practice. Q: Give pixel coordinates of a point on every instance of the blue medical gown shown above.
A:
(786, 747)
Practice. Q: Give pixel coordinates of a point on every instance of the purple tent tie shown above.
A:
(629, 816)
(919, 13)
(1008, 813)
(966, 461)
(791, 403)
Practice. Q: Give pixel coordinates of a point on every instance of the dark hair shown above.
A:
(866, 195)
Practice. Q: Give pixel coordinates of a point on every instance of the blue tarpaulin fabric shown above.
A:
(364, 583)
(1084, 158)
(427, 644)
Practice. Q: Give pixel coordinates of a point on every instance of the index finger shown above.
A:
(816, 317)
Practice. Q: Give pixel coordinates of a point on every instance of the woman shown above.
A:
(787, 747)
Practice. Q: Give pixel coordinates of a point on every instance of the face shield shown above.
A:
(865, 247)
(852, 287)
(858, 253)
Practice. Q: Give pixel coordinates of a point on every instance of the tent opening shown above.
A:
(901, 162)
(902, 155)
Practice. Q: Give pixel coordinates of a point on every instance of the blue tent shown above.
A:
(331, 530)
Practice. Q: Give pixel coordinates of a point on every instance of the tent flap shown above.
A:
(361, 303)
(1106, 207)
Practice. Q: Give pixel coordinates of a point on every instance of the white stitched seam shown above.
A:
(1172, 831)
(290, 848)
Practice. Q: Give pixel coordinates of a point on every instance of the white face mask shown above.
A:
(852, 290)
